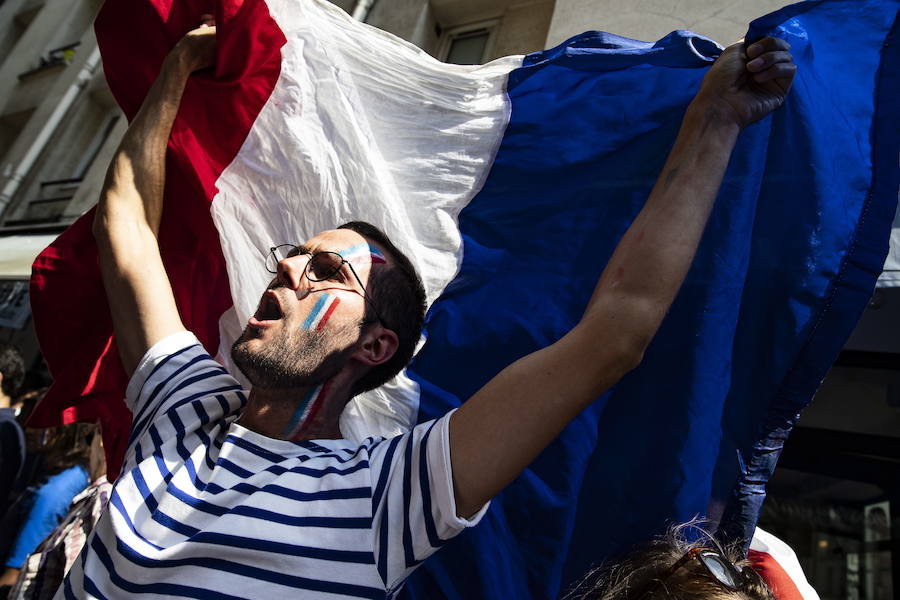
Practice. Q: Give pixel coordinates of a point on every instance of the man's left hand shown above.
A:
(746, 86)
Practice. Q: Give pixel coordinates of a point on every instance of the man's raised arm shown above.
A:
(504, 426)
(130, 207)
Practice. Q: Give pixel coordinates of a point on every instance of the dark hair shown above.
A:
(13, 369)
(399, 295)
(65, 446)
(627, 578)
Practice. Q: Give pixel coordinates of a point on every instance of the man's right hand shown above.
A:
(745, 87)
(197, 49)
(128, 215)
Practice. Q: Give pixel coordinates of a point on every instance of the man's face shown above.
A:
(304, 331)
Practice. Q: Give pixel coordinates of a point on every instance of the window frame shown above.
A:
(449, 35)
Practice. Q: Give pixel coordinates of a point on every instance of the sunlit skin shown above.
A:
(272, 410)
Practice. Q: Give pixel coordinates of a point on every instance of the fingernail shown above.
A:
(755, 64)
(754, 50)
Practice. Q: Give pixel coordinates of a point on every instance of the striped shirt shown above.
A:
(206, 508)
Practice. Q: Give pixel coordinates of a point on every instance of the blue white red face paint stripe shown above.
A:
(355, 253)
(306, 410)
(321, 312)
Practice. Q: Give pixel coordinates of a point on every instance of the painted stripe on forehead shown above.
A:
(359, 250)
(354, 251)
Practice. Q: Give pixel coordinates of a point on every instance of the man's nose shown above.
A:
(291, 271)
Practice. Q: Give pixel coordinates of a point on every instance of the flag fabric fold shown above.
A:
(509, 185)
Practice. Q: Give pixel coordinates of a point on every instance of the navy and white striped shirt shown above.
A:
(206, 508)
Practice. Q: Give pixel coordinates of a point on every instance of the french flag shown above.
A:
(509, 185)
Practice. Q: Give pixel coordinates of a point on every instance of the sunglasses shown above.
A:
(321, 266)
(713, 560)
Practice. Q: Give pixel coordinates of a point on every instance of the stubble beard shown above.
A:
(291, 361)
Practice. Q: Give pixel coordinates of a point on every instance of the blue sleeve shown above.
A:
(51, 503)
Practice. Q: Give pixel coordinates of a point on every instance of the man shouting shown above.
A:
(229, 494)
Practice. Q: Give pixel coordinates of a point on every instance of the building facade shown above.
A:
(59, 126)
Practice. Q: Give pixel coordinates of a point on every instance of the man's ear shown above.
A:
(377, 347)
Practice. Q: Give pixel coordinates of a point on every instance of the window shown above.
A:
(469, 44)
(468, 48)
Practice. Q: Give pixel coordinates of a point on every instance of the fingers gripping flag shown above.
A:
(509, 185)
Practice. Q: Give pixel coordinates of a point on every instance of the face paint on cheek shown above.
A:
(321, 312)
(306, 410)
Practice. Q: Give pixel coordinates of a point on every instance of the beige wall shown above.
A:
(15, 17)
(724, 21)
(523, 28)
(58, 23)
(411, 20)
(26, 104)
(347, 5)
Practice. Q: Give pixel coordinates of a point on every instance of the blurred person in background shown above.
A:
(34, 438)
(45, 568)
(685, 563)
(12, 438)
(64, 473)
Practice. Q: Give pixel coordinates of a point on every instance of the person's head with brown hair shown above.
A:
(12, 374)
(69, 445)
(685, 563)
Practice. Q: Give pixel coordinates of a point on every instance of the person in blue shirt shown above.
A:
(66, 456)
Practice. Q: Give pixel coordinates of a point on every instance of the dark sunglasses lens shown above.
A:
(721, 570)
(323, 266)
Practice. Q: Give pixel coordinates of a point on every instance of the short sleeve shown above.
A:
(159, 353)
(414, 507)
(176, 386)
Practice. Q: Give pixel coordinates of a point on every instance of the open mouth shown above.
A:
(269, 309)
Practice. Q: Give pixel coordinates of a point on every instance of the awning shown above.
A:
(17, 252)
